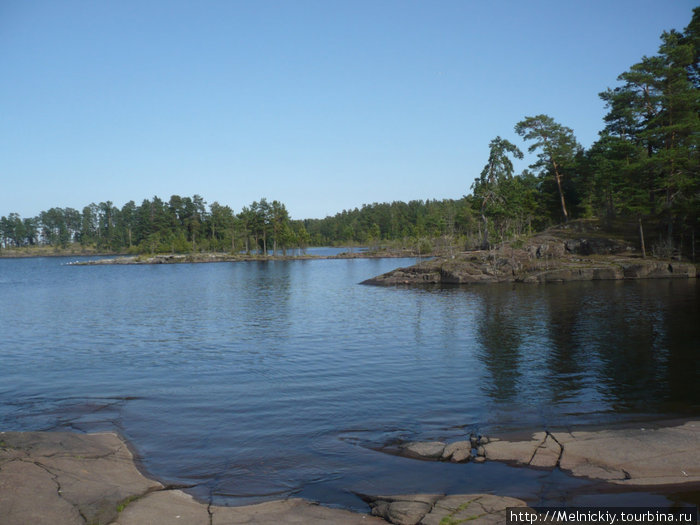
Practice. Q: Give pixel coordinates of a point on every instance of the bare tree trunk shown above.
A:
(641, 237)
(557, 177)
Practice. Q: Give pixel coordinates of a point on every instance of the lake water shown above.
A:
(257, 380)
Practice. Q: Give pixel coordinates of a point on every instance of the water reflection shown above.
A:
(567, 358)
(604, 347)
(263, 298)
(499, 334)
(646, 345)
(680, 382)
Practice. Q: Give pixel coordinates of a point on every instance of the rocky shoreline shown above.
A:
(651, 454)
(558, 255)
(67, 478)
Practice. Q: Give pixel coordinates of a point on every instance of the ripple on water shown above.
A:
(253, 380)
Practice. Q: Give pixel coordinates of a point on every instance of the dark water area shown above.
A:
(258, 380)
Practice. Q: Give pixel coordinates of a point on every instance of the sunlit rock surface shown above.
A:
(60, 478)
(640, 455)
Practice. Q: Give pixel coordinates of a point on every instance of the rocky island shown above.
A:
(574, 252)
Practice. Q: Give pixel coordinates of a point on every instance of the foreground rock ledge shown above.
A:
(629, 456)
(61, 478)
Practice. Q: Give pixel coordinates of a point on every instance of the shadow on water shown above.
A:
(591, 350)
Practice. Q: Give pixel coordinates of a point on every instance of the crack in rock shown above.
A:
(547, 454)
(561, 448)
(59, 490)
(534, 452)
(210, 512)
(23, 482)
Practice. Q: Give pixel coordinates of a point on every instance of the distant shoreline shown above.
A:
(200, 258)
(359, 251)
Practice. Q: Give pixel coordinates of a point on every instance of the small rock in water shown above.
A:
(461, 449)
(461, 456)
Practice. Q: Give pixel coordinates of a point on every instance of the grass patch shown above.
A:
(452, 520)
(125, 502)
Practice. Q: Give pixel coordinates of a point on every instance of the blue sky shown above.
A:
(323, 105)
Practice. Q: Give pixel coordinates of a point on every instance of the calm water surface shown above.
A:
(256, 380)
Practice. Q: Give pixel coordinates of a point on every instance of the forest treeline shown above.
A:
(644, 170)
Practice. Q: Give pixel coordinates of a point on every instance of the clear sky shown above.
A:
(323, 105)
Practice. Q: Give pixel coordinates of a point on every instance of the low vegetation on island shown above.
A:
(640, 180)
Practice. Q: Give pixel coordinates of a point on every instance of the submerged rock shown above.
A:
(424, 450)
